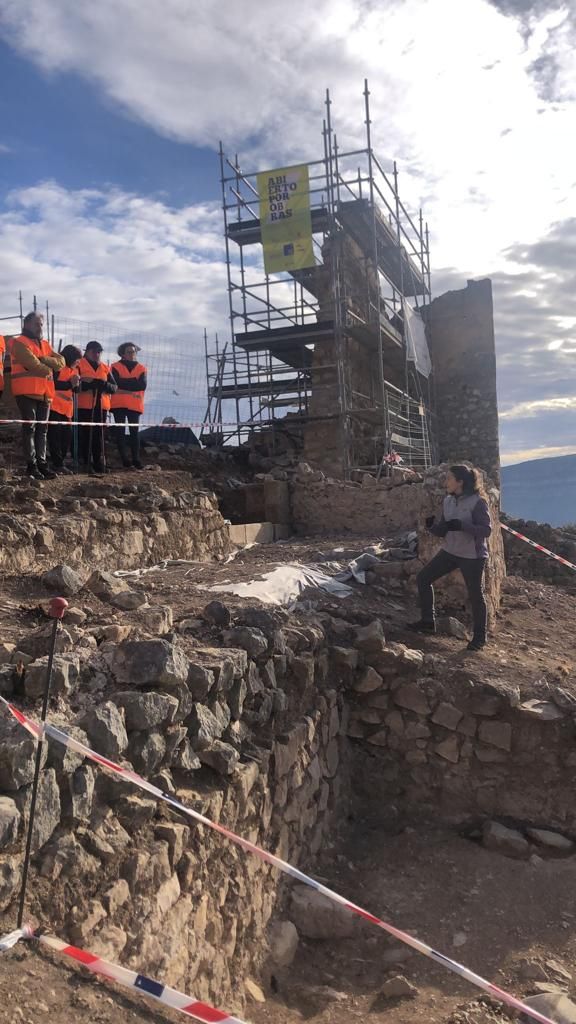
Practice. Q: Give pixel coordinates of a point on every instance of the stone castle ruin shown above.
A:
(351, 362)
(283, 717)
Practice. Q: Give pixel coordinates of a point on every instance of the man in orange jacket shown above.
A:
(33, 362)
(128, 402)
(96, 386)
(2, 355)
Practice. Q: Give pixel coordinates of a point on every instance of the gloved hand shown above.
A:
(100, 386)
(441, 530)
(453, 525)
(110, 388)
(430, 520)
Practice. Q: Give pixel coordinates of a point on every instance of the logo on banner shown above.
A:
(285, 219)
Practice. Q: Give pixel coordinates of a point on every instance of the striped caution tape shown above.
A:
(539, 547)
(47, 731)
(148, 423)
(195, 1008)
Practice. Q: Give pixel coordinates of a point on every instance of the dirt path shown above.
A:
(481, 908)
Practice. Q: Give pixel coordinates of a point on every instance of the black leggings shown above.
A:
(472, 570)
(120, 417)
(59, 438)
(34, 433)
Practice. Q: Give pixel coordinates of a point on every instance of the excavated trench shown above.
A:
(367, 762)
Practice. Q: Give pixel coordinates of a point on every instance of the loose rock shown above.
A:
(317, 917)
(63, 579)
(505, 840)
(106, 730)
(398, 988)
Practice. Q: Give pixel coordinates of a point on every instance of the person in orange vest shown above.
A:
(96, 386)
(33, 362)
(66, 383)
(2, 354)
(128, 402)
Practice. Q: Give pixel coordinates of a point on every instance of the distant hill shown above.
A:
(544, 490)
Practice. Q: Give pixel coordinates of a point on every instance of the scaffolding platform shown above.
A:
(327, 342)
(360, 219)
(288, 344)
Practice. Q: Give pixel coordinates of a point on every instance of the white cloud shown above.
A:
(115, 256)
(454, 96)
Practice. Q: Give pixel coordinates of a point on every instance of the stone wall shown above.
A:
(462, 347)
(247, 729)
(522, 560)
(390, 506)
(437, 741)
(110, 525)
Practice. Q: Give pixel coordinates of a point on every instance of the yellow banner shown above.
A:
(285, 219)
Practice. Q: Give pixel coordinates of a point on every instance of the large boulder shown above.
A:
(65, 675)
(105, 586)
(17, 756)
(204, 727)
(106, 730)
(318, 917)
(63, 580)
(148, 662)
(9, 821)
(145, 711)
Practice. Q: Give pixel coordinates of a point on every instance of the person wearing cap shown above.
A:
(96, 386)
(2, 355)
(66, 384)
(33, 361)
(128, 402)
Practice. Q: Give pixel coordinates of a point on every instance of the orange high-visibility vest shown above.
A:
(26, 382)
(122, 399)
(63, 401)
(2, 353)
(88, 373)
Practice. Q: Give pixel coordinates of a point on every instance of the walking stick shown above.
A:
(91, 428)
(103, 416)
(75, 460)
(58, 606)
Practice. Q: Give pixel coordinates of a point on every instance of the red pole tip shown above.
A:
(58, 606)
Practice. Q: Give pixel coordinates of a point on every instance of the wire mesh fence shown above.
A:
(176, 366)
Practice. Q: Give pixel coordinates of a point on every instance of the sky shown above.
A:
(111, 114)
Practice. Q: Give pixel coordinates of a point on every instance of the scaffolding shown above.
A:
(299, 337)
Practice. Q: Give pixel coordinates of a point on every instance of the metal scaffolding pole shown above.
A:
(385, 410)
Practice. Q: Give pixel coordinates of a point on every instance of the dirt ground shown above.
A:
(491, 913)
(505, 919)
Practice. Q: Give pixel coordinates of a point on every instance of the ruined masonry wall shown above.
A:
(256, 743)
(449, 745)
(385, 508)
(462, 347)
(108, 526)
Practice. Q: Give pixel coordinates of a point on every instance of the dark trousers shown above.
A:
(34, 433)
(59, 438)
(133, 418)
(472, 570)
(91, 440)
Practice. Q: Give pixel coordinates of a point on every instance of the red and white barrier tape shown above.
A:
(47, 731)
(145, 423)
(194, 1008)
(538, 547)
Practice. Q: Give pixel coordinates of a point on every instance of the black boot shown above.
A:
(33, 471)
(477, 644)
(46, 472)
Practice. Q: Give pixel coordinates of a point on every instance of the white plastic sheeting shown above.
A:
(282, 585)
(416, 344)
